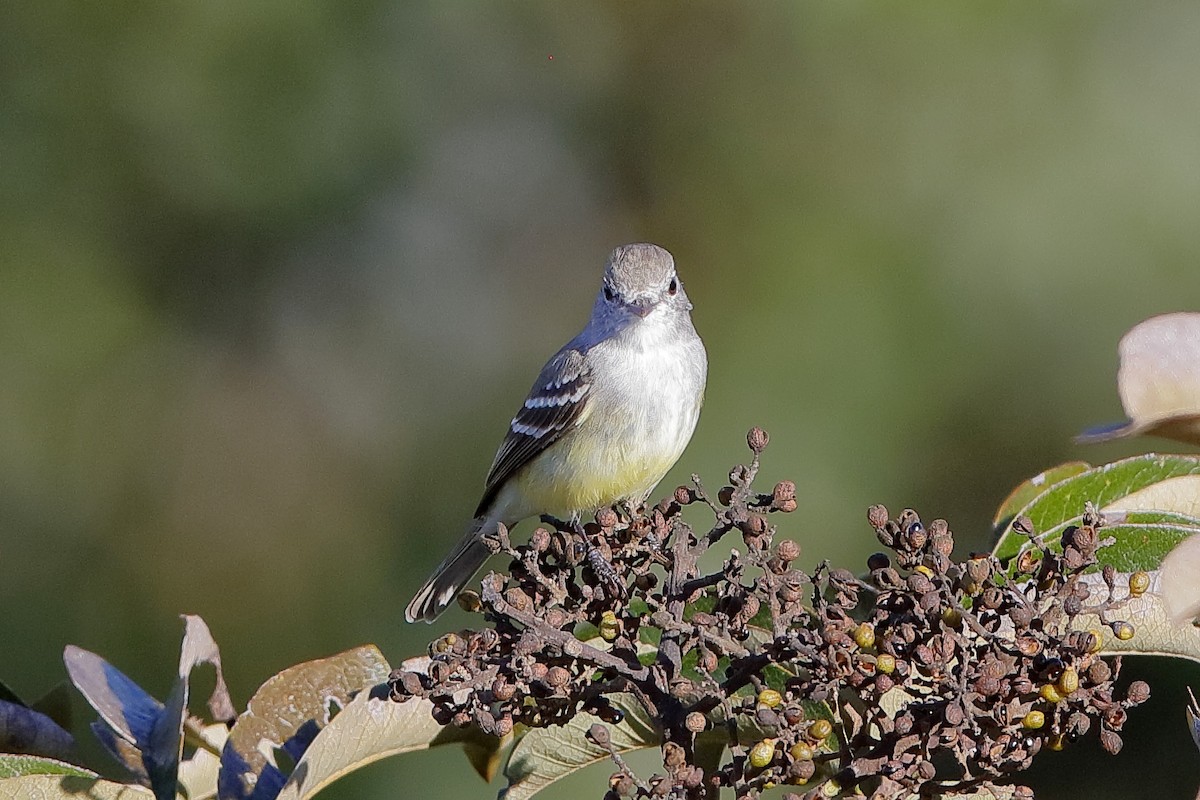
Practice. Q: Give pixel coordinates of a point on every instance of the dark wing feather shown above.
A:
(554, 406)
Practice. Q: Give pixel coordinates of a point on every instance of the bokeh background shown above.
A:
(275, 275)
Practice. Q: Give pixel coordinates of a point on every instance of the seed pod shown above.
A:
(622, 785)
(684, 496)
(1138, 692)
(787, 550)
(1021, 616)
(915, 536)
(1028, 561)
(673, 756)
(1109, 573)
(1028, 646)
(517, 599)
(877, 516)
(919, 583)
(793, 715)
(987, 686)
(695, 722)
(757, 439)
(1072, 559)
(502, 690)
(599, 734)
(1110, 741)
(766, 719)
(558, 677)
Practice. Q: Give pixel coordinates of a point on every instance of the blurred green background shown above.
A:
(275, 275)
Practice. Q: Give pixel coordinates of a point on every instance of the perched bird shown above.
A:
(606, 418)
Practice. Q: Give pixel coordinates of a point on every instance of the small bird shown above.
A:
(606, 418)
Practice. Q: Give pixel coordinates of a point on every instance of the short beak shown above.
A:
(642, 307)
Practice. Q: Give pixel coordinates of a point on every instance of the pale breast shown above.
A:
(643, 407)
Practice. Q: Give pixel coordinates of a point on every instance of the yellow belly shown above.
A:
(592, 467)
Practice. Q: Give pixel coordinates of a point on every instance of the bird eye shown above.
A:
(673, 287)
(608, 293)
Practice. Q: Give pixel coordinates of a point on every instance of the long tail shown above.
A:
(451, 576)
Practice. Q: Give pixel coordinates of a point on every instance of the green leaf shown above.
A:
(1024, 494)
(1144, 545)
(1166, 483)
(287, 712)
(372, 727)
(12, 766)
(544, 755)
(69, 787)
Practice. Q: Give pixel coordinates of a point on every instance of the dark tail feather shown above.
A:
(450, 577)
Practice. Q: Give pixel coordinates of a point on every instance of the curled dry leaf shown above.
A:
(1179, 583)
(372, 727)
(286, 714)
(140, 732)
(1159, 381)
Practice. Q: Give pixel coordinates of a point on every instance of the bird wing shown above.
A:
(554, 406)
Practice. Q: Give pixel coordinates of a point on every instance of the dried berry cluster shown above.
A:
(929, 675)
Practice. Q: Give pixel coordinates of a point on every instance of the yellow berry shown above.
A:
(1033, 720)
(1097, 640)
(885, 663)
(1068, 681)
(924, 570)
(769, 698)
(1123, 631)
(801, 751)
(864, 635)
(820, 730)
(610, 626)
(1139, 582)
(1050, 693)
(762, 753)
(952, 617)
